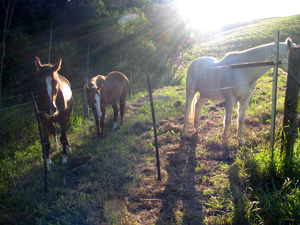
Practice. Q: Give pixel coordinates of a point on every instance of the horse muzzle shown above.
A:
(51, 111)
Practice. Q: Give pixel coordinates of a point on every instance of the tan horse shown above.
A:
(103, 91)
(54, 101)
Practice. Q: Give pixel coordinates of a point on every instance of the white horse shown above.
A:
(216, 80)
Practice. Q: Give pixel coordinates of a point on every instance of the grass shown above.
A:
(114, 180)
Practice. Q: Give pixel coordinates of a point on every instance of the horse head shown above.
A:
(283, 55)
(48, 85)
(100, 81)
(93, 98)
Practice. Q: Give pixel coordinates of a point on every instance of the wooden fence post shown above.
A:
(85, 104)
(274, 95)
(154, 128)
(42, 141)
(290, 106)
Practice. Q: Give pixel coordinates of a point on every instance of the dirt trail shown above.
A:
(195, 186)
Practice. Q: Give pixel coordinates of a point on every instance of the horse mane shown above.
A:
(97, 81)
(63, 79)
(244, 55)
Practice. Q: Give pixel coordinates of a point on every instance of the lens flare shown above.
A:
(128, 17)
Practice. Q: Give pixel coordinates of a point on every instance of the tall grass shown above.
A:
(269, 196)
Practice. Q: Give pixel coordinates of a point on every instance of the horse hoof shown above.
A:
(241, 143)
(64, 160)
(100, 136)
(225, 144)
(69, 149)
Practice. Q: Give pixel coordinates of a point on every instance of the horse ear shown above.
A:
(38, 63)
(58, 65)
(289, 42)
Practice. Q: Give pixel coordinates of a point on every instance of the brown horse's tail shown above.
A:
(192, 109)
(123, 99)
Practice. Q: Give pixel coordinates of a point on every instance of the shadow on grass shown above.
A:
(180, 200)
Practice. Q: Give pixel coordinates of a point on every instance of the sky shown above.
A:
(213, 14)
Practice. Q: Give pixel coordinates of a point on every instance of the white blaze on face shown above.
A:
(49, 87)
(97, 105)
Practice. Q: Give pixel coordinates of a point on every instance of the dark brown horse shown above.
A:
(54, 101)
(103, 91)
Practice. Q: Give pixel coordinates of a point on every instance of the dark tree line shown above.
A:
(91, 36)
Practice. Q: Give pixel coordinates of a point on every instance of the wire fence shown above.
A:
(17, 122)
(17, 119)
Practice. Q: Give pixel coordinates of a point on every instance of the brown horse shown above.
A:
(54, 101)
(103, 91)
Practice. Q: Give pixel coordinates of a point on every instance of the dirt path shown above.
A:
(195, 186)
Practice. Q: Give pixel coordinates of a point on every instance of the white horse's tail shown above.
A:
(192, 110)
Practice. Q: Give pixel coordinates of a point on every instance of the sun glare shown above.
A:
(214, 14)
(203, 15)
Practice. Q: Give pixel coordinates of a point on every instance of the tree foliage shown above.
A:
(92, 37)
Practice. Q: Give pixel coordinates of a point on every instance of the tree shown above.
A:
(8, 10)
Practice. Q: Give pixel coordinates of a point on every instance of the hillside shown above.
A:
(249, 35)
(114, 180)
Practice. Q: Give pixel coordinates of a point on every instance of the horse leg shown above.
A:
(97, 123)
(116, 111)
(56, 143)
(64, 141)
(241, 119)
(102, 120)
(201, 101)
(52, 129)
(189, 100)
(227, 120)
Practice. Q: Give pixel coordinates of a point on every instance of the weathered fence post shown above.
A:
(154, 128)
(42, 140)
(274, 94)
(85, 104)
(290, 107)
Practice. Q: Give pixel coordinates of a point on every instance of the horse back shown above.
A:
(116, 76)
(115, 86)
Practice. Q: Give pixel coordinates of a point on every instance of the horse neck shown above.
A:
(257, 54)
